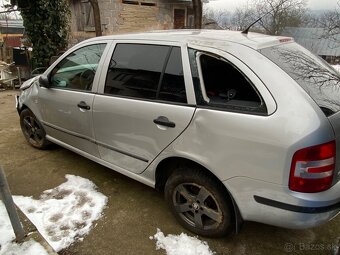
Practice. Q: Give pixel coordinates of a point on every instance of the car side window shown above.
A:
(146, 72)
(135, 70)
(173, 86)
(225, 86)
(77, 70)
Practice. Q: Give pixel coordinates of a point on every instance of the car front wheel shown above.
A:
(33, 130)
(199, 202)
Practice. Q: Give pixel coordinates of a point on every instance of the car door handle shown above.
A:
(164, 121)
(83, 105)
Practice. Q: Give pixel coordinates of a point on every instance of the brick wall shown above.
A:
(121, 17)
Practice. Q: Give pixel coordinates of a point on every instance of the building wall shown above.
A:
(122, 16)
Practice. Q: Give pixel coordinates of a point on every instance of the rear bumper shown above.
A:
(276, 205)
(296, 208)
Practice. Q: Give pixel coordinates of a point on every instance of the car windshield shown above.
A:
(312, 73)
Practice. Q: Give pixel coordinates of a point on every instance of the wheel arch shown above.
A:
(168, 165)
(23, 107)
(32, 107)
(35, 134)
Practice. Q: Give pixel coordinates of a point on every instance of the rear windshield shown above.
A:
(312, 73)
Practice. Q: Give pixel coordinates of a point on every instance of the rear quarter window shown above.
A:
(223, 86)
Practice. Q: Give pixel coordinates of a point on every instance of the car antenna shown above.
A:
(252, 24)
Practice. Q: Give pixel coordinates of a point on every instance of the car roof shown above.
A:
(203, 37)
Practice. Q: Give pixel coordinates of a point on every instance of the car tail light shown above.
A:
(313, 168)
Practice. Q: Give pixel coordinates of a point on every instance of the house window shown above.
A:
(83, 12)
(130, 2)
(190, 21)
(138, 3)
(190, 18)
(147, 4)
(179, 18)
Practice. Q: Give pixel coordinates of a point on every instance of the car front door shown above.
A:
(144, 104)
(66, 104)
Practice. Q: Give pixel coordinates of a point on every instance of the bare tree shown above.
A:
(282, 13)
(96, 15)
(276, 15)
(243, 17)
(308, 70)
(221, 17)
(330, 21)
(317, 78)
(208, 12)
(197, 6)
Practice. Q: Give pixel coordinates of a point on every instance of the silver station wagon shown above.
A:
(232, 127)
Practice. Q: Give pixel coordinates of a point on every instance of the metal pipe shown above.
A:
(10, 207)
(19, 76)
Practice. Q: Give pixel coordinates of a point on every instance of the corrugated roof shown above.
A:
(12, 23)
(312, 39)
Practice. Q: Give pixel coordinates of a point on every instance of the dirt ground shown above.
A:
(134, 211)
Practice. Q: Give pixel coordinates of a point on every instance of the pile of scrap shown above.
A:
(7, 77)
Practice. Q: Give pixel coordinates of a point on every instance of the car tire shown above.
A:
(199, 202)
(33, 130)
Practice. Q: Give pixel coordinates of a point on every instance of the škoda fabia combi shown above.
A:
(232, 127)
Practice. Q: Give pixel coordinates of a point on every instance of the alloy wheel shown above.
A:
(197, 206)
(33, 130)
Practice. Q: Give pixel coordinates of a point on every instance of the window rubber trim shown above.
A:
(201, 78)
(148, 100)
(296, 208)
(256, 112)
(160, 81)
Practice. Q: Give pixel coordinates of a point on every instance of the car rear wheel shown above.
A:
(33, 130)
(199, 202)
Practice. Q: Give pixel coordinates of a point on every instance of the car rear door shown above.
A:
(144, 104)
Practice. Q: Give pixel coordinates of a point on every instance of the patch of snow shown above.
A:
(337, 247)
(181, 244)
(7, 239)
(30, 247)
(6, 230)
(66, 213)
(336, 67)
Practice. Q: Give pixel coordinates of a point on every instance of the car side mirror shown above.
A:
(38, 71)
(44, 81)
